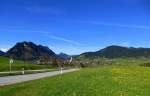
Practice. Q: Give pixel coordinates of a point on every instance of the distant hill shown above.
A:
(30, 51)
(64, 56)
(1, 53)
(118, 52)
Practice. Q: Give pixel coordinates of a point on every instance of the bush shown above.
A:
(146, 64)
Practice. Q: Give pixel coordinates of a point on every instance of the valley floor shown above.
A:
(104, 81)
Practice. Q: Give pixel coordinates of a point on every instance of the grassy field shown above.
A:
(18, 65)
(104, 81)
(130, 62)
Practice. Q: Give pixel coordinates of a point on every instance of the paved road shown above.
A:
(43, 70)
(8, 80)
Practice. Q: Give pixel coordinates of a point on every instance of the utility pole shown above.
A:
(24, 57)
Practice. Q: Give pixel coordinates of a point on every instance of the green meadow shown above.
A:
(131, 62)
(18, 65)
(103, 81)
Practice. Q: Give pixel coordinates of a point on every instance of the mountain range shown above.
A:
(64, 56)
(1, 53)
(29, 51)
(117, 52)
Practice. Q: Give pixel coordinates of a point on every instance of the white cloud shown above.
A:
(126, 44)
(64, 39)
(44, 33)
(4, 49)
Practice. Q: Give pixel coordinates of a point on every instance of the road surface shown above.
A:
(9, 80)
(43, 70)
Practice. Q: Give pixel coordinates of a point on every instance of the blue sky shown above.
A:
(75, 26)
